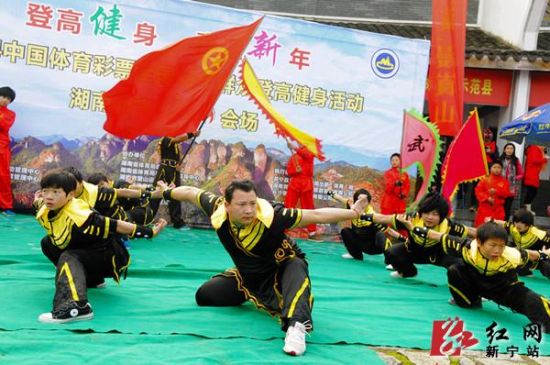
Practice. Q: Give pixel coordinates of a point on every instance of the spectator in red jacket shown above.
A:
(7, 118)
(491, 193)
(535, 160)
(396, 188)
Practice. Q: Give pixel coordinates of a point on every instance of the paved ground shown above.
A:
(399, 356)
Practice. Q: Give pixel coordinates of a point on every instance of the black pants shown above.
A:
(530, 193)
(286, 292)
(467, 288)
(403, 259)
(357, 242)
(169, 175)
(78, 269)
(508, 207)
(542, 266)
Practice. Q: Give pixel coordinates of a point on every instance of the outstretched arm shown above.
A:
(333, 215)
(338, 198)
(185, 137)
(135, 230)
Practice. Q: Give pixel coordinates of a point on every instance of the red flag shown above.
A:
(466, 160)
(420, 144)
(446, 73)
(169, 92)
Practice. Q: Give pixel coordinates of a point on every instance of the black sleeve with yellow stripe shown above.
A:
(98, 226)
(286, 218)
(458, 230)
(208, 202)
(454, 246)
(106, 198)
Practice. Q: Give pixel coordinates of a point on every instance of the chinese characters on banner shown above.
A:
(446, 73)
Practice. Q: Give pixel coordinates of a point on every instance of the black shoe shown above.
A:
(68, 313)
(179, 224)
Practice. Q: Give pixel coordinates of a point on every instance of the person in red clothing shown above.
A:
(396, 188)
(491, 193)
(7, 118)
(535, 159)
(300, 186)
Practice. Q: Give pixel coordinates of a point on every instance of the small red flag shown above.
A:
(466, 160)
(169, 92)
(420, 144)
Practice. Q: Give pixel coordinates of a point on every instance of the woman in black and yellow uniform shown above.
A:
(84, 247)
(170, 156)
(525, 235)
(432, 213)
(488, 269)
(270, 268)
(362, 236)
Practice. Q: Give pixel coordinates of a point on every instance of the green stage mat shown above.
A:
(152, 316)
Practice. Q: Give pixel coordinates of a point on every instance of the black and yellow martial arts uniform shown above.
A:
(168, 172)
(103, 200)
(533, 239)
(271, 270)
(365, 237)
(419, 250)
(475, 276)
(80, 244)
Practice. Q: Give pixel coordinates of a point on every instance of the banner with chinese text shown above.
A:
(346, 87)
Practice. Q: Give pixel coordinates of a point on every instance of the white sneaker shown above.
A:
(295, 340)
(347, 256)
(396, 274)
(68, 313)
(389, 267)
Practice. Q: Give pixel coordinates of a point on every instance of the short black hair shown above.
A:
(524, 216)
(496, 162)
(395, 155)
(75, 172)
(434, 201)
(97, 177)
(244, 185)
(59, 179)
(491, 230)
(7, 92)
(359, 192)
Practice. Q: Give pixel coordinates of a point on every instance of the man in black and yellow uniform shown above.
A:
(170, 160)
(488, 269)
(525, 235)
(270, 268)
(84, 249)
(362, 236)
(432, 213)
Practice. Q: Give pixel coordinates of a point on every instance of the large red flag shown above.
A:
(446, 73)
(420, 144)
(466, 160)
(169, 92)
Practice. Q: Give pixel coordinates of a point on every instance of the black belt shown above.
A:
(169, 163)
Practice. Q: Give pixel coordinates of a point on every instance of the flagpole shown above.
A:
(401, 152)
(192, 142)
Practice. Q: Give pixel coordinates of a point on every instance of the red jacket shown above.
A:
(395, 197)
(7, 117)
(494, 209)
(534, 163)
(300, 170)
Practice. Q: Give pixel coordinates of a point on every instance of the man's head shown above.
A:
(240, 202)
(75, 172)
(57, 187)
(357, 194)
(395, 160)
(7, 95)
(433, 209)
(99, 179)
(523, 219)
(491, 238)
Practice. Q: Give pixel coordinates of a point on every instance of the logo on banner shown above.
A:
(449, 338)
(385, 63)
(214, 59)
